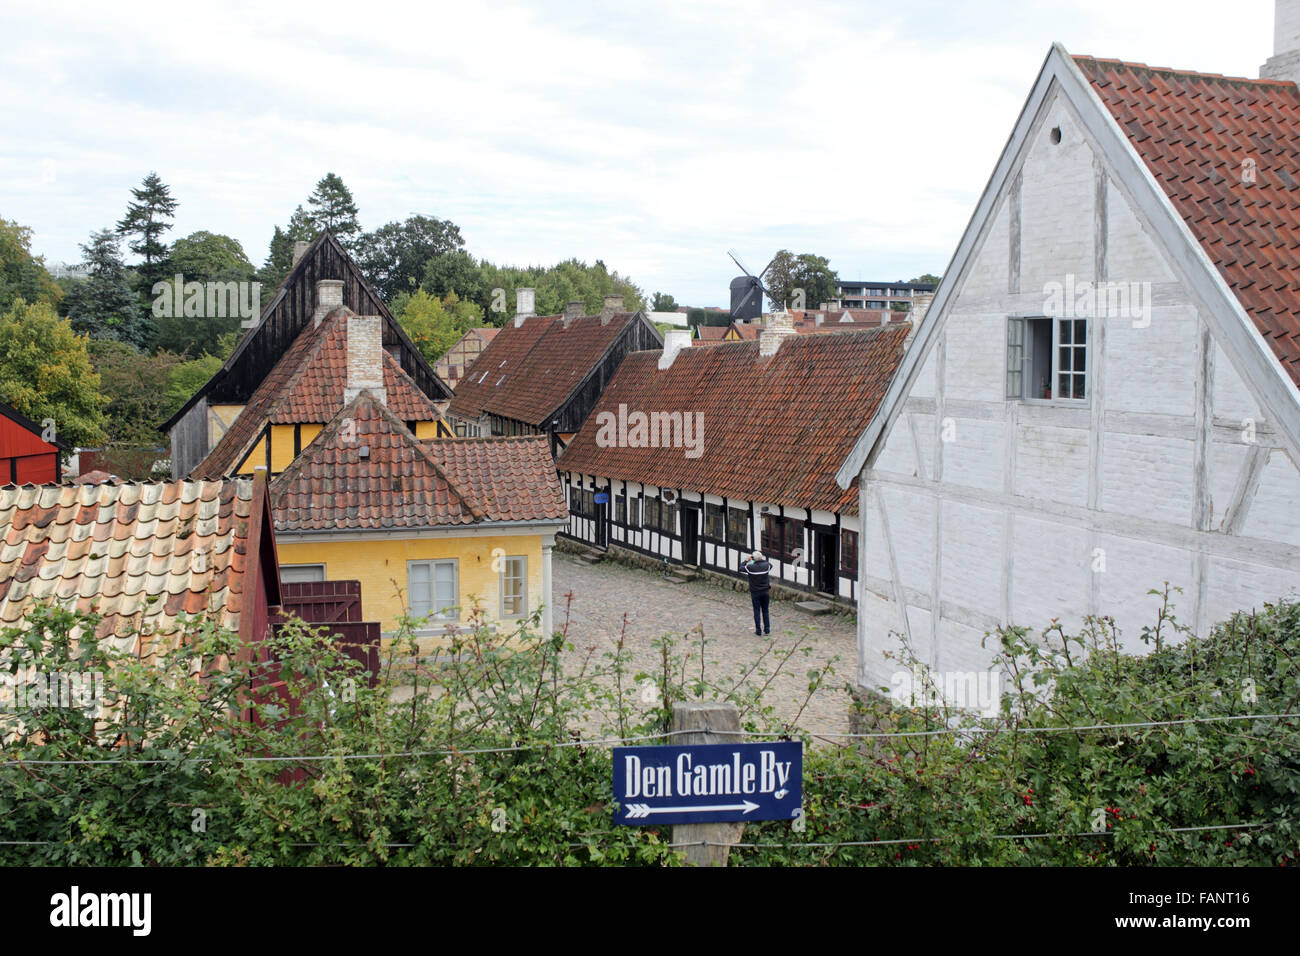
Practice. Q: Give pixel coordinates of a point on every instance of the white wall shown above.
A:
(1150, 478)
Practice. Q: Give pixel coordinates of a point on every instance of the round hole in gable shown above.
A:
(1055, 134)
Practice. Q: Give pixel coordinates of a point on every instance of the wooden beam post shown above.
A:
(713, 722)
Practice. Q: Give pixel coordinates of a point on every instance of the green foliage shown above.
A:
(555, 287)
(103, 305)
(397, 256)
(279, 257)
(488, 753)
(134, 386)
(23, 275)
(926, 277)
(663, 302)
(1109, 797)
(330, 208)
(45, 372)
(186, 378)
(202, 257)
(146, 220)
(434, 324)
(800, 282)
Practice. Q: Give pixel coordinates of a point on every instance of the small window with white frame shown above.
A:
(296, 573)
(514, 586)
(1047, 359)
(433, 589)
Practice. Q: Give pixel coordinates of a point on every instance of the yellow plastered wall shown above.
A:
(220, 418)
(256, 457)
(380, 566)
(425, 430)
(281, 448)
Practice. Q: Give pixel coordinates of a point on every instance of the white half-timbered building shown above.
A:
(1103, 396)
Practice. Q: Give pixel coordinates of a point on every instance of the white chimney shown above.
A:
(674, 341)
(779, 325)
(1284, 64)
(365, 358)
(299, 250)
(329, 296)
(525, 305)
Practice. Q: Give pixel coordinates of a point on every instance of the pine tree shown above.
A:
(333, 209)
(146, 218)
(103, 305)
(279, 256)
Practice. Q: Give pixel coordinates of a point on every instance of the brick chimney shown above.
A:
(613, 306)
(329, 296)
(779, 325)
(525, 305)
(299, 250)
(572, 311)
(365, 358)
(1284, 64)
(674, 341)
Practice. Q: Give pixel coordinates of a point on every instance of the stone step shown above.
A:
(690, 574)
(813, 607)
(677, 578)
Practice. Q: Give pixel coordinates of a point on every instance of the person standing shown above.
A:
(758, 569)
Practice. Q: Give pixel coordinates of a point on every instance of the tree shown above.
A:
(395, 257)
(927, 277)
(186, 378)
(45, 372)
(663, 302)
(800, 282)
(103, 305)
(433, 324)
(146, 220)
(134, 387)
(457, 272)
(23, 275)
(279, 257)
(203, 257)
(332, 209)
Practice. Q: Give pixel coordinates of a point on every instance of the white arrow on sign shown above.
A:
(635, 811)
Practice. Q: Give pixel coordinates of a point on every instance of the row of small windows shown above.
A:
(433, 587)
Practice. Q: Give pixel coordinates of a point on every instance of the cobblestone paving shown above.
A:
(603, 593)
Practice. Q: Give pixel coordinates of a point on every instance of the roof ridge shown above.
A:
(1133, 65)
(332, 428)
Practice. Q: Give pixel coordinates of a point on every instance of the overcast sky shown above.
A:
(654, 136)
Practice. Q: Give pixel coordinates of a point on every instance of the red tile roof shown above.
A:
(775, 430)
(139, 554)
(306, 387)
(712, 333)
(1194, 130)
(528, 372)
(402, 483)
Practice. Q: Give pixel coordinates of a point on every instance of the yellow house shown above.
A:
(334, 356)
(428, 527)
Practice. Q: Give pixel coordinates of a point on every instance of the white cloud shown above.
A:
(653, 137)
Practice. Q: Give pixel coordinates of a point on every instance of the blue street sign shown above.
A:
(708, 783)
(602, 497)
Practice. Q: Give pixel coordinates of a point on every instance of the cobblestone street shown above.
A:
(603, 593)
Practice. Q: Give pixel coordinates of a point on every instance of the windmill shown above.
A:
(747, 291)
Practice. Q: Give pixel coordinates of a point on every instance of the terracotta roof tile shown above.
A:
(1194, 130)
(367, 471)
(138, 554)
(775, 430)
(306, 387)
(528, 372)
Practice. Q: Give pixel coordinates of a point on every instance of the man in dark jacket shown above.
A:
(760, 590)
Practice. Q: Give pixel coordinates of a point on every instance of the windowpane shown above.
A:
(1065, 332)
(514, 590)
(417, 586)
(1080, 331)
(1063, 357)
(737, 527)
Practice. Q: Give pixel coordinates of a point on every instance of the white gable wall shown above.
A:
(1042, 510)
